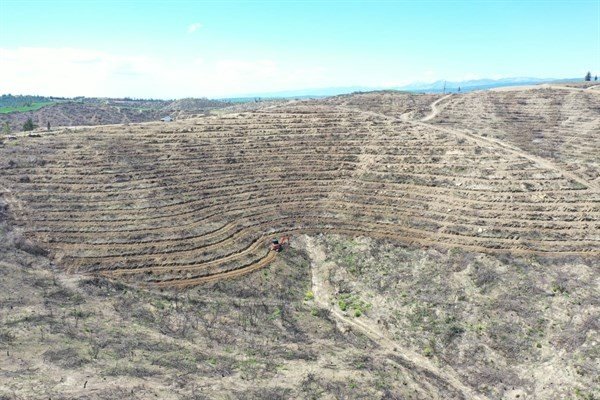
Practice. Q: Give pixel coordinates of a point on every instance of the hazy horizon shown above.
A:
(228, 49)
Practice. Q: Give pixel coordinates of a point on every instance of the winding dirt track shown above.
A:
(435, 109)
(196, 201)
(445, 381)
(558, 125)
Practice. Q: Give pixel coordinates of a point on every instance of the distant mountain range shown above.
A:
(476, 84)
(419, 87)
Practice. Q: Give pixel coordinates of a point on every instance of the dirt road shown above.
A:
(434, 108)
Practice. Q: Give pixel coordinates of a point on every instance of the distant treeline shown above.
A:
(15, 101)
(8, 100)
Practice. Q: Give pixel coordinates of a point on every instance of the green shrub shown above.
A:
(428, 351)
(28, 125)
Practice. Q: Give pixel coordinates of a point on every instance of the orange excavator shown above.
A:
(277, 244)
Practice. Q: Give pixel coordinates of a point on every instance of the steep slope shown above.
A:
(66, 337)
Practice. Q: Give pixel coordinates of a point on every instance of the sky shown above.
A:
(175, 49)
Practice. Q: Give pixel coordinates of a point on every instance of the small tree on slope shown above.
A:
(28, 125)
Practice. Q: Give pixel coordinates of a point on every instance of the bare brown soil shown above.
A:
(390, 103)
(175, 205)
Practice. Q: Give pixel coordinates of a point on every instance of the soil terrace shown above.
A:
(198, 200)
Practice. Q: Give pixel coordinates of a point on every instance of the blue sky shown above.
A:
(227, 48)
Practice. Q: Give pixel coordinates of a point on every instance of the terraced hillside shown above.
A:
(390, 103)
(199, 200)
(557, 123)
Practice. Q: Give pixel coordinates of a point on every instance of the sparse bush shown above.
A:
(6, 337)
(483, 275)
(348, 301)
(275, 314)
(66, 358)
(453, 332)
(29, 247)
(558, 287)
(428, 351)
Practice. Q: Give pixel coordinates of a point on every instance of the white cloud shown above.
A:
(87, 72)
(84, 72)
(194, 27)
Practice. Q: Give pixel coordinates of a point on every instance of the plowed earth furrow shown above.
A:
(198, 200)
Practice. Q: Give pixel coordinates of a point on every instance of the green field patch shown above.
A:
(27, 107)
